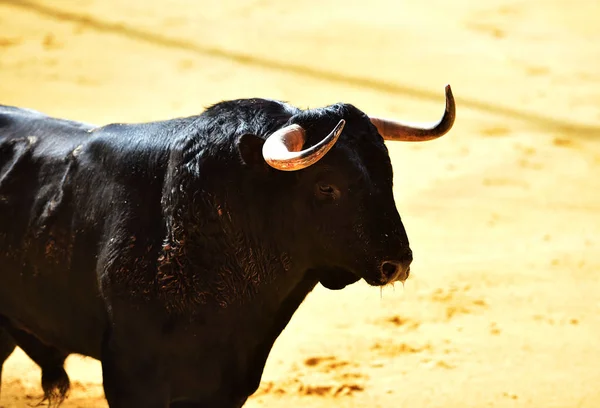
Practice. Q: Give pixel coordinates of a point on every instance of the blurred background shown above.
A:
(502, 308)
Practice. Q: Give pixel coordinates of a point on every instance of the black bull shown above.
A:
(176, 252)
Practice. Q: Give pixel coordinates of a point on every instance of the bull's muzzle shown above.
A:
(396, 269)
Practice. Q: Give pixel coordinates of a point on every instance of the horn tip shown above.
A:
(450, 104)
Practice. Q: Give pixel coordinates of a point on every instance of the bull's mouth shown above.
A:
(336, 278)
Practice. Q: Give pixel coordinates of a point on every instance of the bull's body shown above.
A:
(171, 252)
(82, 231)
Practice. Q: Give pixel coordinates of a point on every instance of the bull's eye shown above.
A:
(327, 190)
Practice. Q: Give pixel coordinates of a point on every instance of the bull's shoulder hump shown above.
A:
(147, 135)
(249, 107)
(122, 146)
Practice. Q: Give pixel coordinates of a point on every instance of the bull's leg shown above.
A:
(7, 346)
(131, 378)
(55, 381)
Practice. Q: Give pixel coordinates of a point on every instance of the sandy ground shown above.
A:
(503, 305)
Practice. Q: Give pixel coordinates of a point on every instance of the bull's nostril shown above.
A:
(389, 269)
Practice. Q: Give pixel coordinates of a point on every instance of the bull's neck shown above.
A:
(216, 259)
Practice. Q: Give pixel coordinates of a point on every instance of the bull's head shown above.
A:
(342, 201)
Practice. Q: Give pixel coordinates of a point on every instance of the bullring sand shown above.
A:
(503, 305)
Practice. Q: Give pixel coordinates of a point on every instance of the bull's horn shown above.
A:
(283, 149)
(418, 132)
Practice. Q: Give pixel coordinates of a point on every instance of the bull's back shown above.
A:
(19, 123)
(34, 157)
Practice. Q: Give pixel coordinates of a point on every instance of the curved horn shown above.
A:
(283, 149)
(418, 132)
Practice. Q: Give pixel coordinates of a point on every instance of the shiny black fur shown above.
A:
(172, 252)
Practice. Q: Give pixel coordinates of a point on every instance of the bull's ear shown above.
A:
(250, 148)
